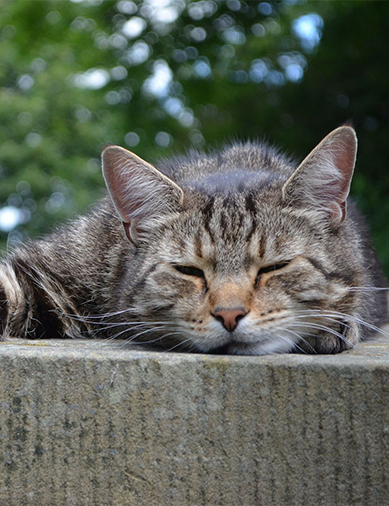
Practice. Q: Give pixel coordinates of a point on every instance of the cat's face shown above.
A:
(245, 256)
(220, 278)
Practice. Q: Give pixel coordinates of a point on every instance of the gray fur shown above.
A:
(235, 252)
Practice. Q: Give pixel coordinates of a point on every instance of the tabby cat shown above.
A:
(236, 252)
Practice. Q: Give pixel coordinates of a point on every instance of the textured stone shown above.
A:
(94, 423)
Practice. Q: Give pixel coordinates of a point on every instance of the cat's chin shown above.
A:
(267, 347)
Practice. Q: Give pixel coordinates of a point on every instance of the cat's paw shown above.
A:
(330, 343)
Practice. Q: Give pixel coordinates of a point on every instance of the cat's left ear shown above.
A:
(322, 181)
(142, 195)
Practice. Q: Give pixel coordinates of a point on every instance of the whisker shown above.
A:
(316, 326)
(327, 318)
(284, 338)
(368, 288)
(300, 338)
(181, 343)
(132, 339)
(99, 317)
(352, 318)
(135, 336)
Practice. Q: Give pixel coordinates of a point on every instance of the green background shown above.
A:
(161, 76)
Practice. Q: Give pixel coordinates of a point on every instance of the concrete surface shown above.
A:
(93, 423)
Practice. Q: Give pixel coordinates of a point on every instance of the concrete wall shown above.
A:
(91, 423)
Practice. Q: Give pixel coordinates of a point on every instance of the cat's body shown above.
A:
(236, 252)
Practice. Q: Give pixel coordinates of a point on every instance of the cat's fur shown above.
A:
(235, 252)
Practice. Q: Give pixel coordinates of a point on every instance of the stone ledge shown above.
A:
(92, 423)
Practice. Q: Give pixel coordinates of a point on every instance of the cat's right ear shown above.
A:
(142, 195)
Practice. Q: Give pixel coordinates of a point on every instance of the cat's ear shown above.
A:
(142, 195)
(322, 181)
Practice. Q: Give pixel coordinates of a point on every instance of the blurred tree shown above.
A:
(348, 80)
(157, 76)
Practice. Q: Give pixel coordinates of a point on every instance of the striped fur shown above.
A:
(240, 251)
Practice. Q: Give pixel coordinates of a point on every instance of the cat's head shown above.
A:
(242, 252)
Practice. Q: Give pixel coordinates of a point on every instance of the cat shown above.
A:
(241, 251)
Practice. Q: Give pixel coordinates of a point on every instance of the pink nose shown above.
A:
(229, 317)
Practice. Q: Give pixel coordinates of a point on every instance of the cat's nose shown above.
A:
(229, 317)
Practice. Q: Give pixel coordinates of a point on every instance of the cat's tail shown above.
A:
(14, 311)
(34, 304)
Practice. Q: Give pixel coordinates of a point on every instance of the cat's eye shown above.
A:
(271, 268)
(190, 271)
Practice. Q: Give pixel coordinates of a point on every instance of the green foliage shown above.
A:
(160, 77)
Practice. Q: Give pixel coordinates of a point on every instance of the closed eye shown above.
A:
(190, 271)
(271, 268)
